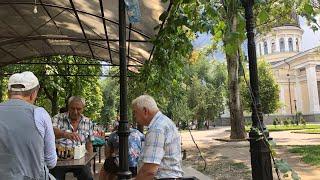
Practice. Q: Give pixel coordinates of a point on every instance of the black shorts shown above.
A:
(111, 165)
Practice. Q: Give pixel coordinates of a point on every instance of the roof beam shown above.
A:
(52, 19)
(80, 24)
(80, 11)
(105, 28)
(15, 57)
(33, 29)
(12, 39)
(72, 64)
(70, 75)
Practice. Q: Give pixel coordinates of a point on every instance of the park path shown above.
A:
(239, 151)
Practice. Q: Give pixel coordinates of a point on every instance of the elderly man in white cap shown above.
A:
(27, 141)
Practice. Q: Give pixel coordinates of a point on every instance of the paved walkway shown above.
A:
(239, 151)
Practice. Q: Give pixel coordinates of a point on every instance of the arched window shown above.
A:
(273, 46)
(297, 44)
(265, 47)
(282, 46)
(290, 44)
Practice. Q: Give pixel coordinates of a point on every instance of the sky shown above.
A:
(310, 39)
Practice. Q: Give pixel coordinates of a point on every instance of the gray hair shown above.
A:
(76, 99)
(23, 93)
(145, 101)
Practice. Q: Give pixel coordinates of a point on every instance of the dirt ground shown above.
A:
(231, 160)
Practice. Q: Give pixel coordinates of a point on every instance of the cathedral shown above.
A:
(297, 72)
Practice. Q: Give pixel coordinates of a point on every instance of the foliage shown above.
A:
(111, 99)
(269, 90)
(276, 121)
(299, 118)
(205, 84)
(286, 169)
(303, 121)
(310, 153)
(281, 166)
(310, 10)
(60, 80)
(286, 122)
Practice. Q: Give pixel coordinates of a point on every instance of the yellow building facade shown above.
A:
(297, 72)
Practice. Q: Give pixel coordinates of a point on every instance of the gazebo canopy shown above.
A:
(87, 28)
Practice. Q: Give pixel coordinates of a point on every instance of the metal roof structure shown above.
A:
(75, 27)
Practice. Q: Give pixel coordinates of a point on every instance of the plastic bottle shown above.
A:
(133, 10)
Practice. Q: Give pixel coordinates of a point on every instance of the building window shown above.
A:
(282, 46)
(297, 44)
(290, 44)
(302, 69)
(265, 47)
(273, 46)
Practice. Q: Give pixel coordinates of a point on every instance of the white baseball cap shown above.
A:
(27, 79)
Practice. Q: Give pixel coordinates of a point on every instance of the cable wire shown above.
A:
(259, 122)
(205, 162)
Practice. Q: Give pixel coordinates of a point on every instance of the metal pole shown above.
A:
(260, 153)
(123, 131)
(290, 93)
(295, 109)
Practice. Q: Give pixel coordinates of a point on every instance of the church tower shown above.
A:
(283, 41)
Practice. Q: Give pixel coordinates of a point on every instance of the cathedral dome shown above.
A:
(280, 43)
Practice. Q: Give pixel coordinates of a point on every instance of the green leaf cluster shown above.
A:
(268, 87)
(56, 84)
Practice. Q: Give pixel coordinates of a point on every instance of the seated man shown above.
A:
(162, 149)
(111, 164)
(73, 125)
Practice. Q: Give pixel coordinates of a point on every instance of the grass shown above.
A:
(309, 131)
(310, 154)
(290, 127)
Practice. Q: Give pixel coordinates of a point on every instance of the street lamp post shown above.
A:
(295, 109)
(289, 82)
(259, 149)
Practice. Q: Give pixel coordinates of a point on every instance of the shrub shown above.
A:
(292, 121)
(286, 122)
(303, 121)
(275, 122)
(299, 117)
(248, 122)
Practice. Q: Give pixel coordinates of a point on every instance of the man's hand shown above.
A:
(72, 136)
(147, 171)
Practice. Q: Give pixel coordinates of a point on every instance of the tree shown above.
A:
(269, 90)
(225, 21)
(59, 80)
(206, 82)
(111, 98)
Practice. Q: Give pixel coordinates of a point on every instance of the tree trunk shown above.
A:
(54, 102)
(236, 112)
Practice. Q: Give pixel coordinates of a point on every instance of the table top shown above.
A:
(76, 163)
